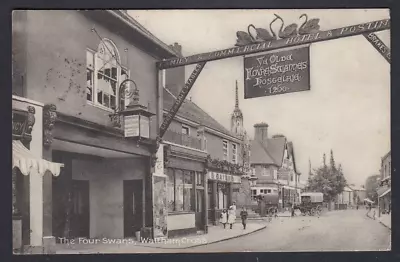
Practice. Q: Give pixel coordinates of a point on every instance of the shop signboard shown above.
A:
(19, 122)
(223, 177)
(131, 126)
(277, 73)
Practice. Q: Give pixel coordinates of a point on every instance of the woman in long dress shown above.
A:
(231, 216)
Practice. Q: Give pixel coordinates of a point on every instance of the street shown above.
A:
(348, 230)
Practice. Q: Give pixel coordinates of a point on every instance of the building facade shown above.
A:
(72, 63)
(273, 163)
(384, 189)
(203, 162)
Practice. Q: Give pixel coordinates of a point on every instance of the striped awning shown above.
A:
(27, 162)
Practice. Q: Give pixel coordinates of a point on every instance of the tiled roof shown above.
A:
(193, 112)
(270, 153)
(140, 28)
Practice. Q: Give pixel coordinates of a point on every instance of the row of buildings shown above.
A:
(87, 163)
(384, 189)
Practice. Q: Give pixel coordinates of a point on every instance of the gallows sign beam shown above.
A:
(379, 45)
(319, 36)
(181, 97)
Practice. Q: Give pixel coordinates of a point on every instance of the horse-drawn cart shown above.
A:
(311, 203)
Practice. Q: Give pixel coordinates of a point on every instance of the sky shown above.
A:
(347, 108)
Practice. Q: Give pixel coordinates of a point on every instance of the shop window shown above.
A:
(180, 190)
(199, 179)
(104, 75)
(225, 149)
(222, 196)
(188, 191)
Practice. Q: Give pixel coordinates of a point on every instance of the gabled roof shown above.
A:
(291, 152)
(269, 153)
(193, 112)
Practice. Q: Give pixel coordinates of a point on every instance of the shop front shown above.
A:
(186, 187)
(220, 188)
(29, 173)
(105, 188)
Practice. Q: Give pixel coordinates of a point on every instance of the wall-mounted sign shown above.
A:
(379, 45)
(223, 177)
(277, 73)
(19, 122)
(144, 127)
(296, 40)
(131, 126)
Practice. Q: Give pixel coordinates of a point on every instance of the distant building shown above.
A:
(359, 193)
(345, 199)
(273, 163)
(384, 189)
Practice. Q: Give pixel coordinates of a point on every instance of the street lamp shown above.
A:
(136, 117)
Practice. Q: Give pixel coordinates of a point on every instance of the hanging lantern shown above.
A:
(136, 117)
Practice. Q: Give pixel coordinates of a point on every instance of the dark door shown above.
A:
(23, 196)
(199, 209)
(133, 207)
(80, 208)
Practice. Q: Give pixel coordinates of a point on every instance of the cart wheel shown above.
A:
(312, 211)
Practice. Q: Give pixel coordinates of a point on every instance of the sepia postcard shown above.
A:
(201, 131)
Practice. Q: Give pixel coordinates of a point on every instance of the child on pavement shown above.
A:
(243, 216)
(224, 217)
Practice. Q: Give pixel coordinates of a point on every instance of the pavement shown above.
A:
(215, 234)
(342, 230)
(384, 219)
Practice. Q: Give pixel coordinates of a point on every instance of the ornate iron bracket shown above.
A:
(49, 119)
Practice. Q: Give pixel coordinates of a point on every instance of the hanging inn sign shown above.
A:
(277, 73)
(292, 66)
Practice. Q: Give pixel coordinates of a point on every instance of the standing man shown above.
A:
(243, 216)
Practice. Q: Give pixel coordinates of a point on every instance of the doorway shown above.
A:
(199, 214)
(133, 207)
(80, 213)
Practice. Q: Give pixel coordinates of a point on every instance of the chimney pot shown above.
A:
(261, 133)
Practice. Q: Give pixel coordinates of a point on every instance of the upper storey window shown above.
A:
(104, 75)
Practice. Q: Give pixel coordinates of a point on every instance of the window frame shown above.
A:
(225, 157)
(175, 193)
(187, 128)
(95, 71)
(234, 153)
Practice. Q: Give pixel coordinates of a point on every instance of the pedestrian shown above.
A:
(224, 217)
(234, 206)
(231, 216)
(293, 206)
(243, 216)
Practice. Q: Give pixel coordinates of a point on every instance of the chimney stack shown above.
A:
(175, 77)
(261, 133)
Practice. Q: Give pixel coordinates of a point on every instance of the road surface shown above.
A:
(347, 230)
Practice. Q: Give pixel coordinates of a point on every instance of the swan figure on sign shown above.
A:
(309, 26)
(262, 34)
(289, 31)
(243, 38)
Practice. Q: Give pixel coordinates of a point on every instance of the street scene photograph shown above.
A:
(201, 131)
